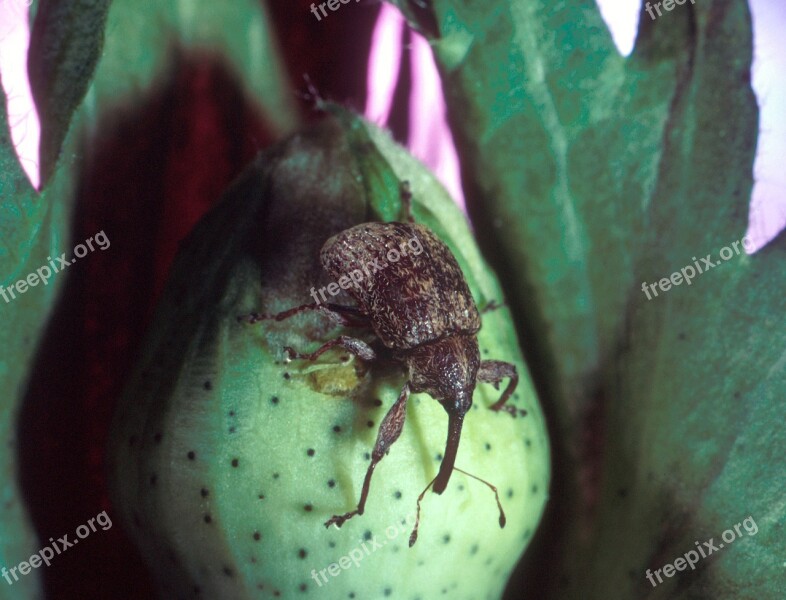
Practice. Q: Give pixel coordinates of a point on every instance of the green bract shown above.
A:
(227, 459)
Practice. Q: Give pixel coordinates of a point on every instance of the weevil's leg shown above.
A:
(349, 316)
(406, 201)
(389, 431)
(353, 345)
(494, 371)
(492, 305)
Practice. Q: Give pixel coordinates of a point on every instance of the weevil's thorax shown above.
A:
(447, 370)
(405, 279)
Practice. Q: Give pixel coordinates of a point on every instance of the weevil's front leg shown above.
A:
(389, 432)
(349, 316)
(353, 345)
(494, 371)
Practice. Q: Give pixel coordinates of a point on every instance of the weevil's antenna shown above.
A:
(502, 519)
(413, 537)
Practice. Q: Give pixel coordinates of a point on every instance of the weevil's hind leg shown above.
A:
(406, 201)
(494, 371)
(349, 316)
(492, 305)
(355, 346)
(389, 432)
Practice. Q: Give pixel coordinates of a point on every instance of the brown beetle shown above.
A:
(420, 308)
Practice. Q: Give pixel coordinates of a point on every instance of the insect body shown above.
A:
(415, 299)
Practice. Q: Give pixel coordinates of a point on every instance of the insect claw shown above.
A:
(338, 520)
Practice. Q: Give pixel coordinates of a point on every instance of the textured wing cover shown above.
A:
(418, 298)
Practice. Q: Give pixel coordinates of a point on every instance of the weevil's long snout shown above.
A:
(455, 423)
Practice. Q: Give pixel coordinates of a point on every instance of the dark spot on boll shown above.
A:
(232, 429)
(208, 385)
(208, 519)
(308, 507)
(303, 587)
(204, 492)
(286, 375)
(367, 535)
(488, 446)
(534, 489)
(260, 586)
(261, 496)
(274, 399)
(276, 593)
(275, 475)
(397, 494)
(387, 591)
(369, 424)
(231, 413)
(528, 442)
(367, 456)
(235, 462)
(331, 544)
(257, 536)
(331, 483)
(510, 492)
(311, 452)
(473, 550)
(446, 538)
(351, 594)
(253, 559)
(438, 457)
(377, 402)
(460, 488)
(302, 553)
(228, 572)
(337, 428)
(191, 455)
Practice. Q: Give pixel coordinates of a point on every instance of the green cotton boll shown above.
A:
(227, 458)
